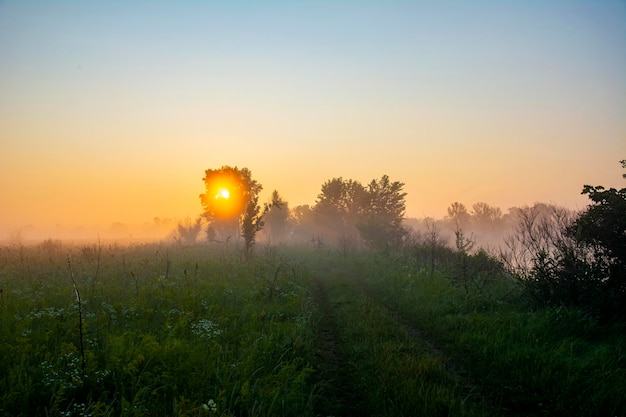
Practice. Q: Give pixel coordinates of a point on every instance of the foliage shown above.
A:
(603, 224)
(195, 331)
(486, 215)
(458, 214)
(340, 206)
(601, 229)
(277, 219)
(232, 201)
(514, 360)
(251, 223)
(381, 227)
(375, 212)
(463, 246)
(574, 260)
(252, 220)
(187, 231)
(239, 185)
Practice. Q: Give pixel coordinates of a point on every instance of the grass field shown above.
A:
(157, 330)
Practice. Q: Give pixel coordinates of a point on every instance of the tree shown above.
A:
(458, 214)
(345, 208)
(303, 218)
(602, 229)
(486, 216)
(231, 202)
(277, 218)
(188, 231)
(228, 191)
(576, 260)
(463, 246)
(339, 207)
(433, 240)
(252, 221)
(603, 223)
(381, 227)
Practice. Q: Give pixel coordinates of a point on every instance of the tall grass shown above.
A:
(203, 331)
(556, 361)
(390, 371)
(166, 330)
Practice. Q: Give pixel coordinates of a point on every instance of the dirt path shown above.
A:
(342, 360)
(415, 333)
(337, 398)
(471, 387)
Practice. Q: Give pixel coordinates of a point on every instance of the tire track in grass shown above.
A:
(473, 388)
(413, 331)
(371, 361)
(337, 396)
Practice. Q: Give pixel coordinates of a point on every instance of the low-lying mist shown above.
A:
(298, 226)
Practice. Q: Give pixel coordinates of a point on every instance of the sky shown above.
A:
(111, 111)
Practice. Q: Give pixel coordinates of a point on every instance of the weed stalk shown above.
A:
(80, 316)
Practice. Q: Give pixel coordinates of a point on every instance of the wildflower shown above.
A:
(205, 328)
(210, 407)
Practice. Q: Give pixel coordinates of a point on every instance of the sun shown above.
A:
(222, 193)
(226, 194)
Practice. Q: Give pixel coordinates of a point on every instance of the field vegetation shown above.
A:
(208, 330)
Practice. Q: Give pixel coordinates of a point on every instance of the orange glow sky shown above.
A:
(111, 111)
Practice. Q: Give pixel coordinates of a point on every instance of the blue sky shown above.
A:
(497, 101)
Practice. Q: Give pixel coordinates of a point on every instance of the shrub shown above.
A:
(564, 259)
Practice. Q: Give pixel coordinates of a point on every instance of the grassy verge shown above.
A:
(556, 361)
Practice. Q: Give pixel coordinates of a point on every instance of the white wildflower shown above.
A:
(210, 407)
(205, 328)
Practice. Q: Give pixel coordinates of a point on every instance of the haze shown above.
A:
(110, 112)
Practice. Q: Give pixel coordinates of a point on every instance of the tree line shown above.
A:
(345, 212)
(558, 255)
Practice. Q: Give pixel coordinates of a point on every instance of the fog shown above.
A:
(112, 110)
(123, 233)
(294, 226)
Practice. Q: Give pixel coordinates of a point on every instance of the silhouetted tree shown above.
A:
(433, 240)
(277, 218)
(381, 227)
(304, 224)
(577, 260)
(188, 231)
(251, 223)
(339, 207)
(486, 216)
(458, 214)
(240, 188)
(602, 229)
(231, 201)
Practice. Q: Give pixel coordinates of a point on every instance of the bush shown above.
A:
(564, 259)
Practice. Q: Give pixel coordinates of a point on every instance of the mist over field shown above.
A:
(297, 229)
(305, 208)
(112, 111)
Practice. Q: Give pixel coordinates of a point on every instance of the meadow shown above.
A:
(202, 330)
